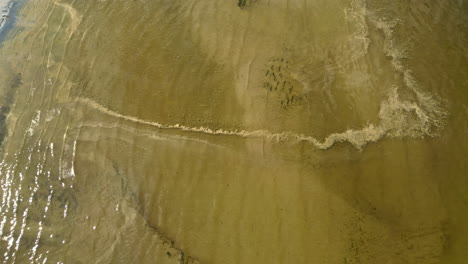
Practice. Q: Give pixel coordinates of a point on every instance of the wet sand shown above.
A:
(235, 132)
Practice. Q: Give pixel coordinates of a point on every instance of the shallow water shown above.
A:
(196, 131)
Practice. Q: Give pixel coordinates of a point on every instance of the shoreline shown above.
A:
(8, 15)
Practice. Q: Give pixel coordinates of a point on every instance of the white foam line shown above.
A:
(205, 130)
(358, 138)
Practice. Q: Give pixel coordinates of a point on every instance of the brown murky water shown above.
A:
(196, 131)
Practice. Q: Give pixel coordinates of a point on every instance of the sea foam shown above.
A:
(418, 116)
